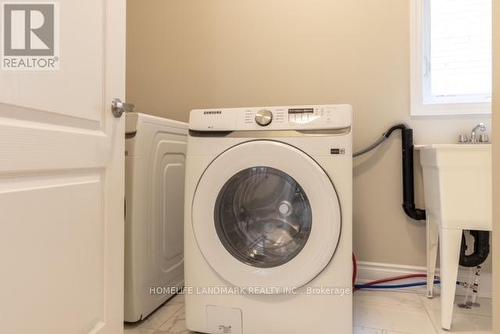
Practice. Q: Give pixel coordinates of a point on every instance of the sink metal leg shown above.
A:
(450, 241)
(432, 252)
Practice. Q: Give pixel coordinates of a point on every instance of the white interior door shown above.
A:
(62, 170)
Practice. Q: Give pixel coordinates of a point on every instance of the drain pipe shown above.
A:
(409, 176)
(408, 168)
(481, 249)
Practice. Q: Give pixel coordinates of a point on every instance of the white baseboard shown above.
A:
(371, 271)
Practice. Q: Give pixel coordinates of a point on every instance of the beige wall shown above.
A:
(496, 165)
(185, 54)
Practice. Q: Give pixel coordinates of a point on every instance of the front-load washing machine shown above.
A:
(154, 216)
(268, 220)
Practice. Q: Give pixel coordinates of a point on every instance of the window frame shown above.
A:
(420, 87)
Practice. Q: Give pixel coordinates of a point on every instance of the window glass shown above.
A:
(459, 52)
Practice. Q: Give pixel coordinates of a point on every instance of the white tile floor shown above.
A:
(375, 312)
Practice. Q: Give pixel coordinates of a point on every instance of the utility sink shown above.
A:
(457, 185)
(458, 197)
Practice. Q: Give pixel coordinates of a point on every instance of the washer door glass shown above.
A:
(263, 217)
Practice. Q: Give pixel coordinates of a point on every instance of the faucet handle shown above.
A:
(484, 138)
(462, 139)
(473, 136)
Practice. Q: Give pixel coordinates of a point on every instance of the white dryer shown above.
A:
(154, 216)
(268, 220)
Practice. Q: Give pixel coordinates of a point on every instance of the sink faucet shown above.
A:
(473, 135)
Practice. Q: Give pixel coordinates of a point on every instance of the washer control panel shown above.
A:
(264, 117)
(303, 115)
(272, 118)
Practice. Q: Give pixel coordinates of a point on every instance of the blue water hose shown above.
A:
(398, 286)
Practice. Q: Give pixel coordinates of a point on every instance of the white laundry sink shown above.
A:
(457, 183)
(458, 196)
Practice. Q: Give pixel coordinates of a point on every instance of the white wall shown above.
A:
(185, 54)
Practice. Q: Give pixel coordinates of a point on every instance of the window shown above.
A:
(451, 57)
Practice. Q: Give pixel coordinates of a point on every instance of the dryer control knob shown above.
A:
(264, 117)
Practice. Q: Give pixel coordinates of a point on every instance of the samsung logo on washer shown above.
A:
(218, 112)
